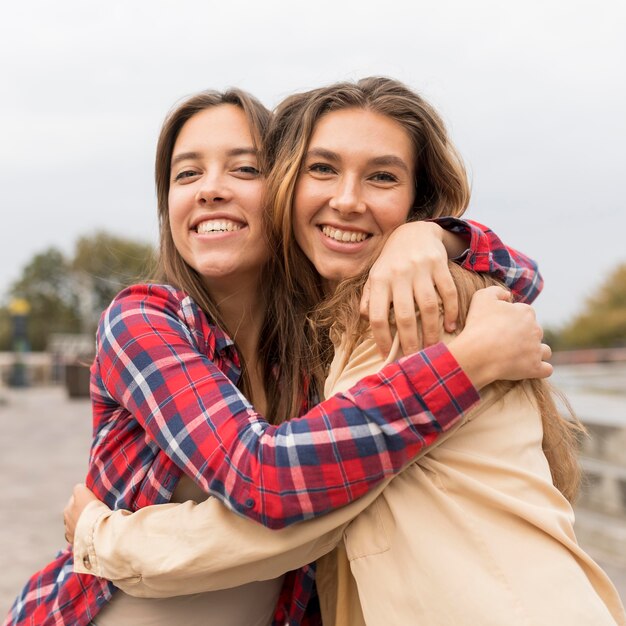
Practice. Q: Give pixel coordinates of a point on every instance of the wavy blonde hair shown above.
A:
(441, 188)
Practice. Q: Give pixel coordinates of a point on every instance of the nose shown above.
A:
(347, 197)
(213, 189)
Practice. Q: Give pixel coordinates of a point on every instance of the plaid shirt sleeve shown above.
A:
(486, 253)
(150, 364)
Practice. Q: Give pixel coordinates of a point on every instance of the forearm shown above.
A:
(179, 549)
(187, 548)
(276, 475)
(479, 249)
(345, 446)
(456, 245)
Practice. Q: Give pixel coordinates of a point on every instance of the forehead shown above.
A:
(218, 126)
(360, 131)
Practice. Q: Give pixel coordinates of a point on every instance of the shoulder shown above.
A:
(356, 360)
(149, 294)
(153, 297)
(158, 306)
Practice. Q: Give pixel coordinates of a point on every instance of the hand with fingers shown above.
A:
(501, 340)
(80, 498)
(411, 274)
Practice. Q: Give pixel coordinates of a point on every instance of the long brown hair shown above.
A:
(441, 188)
(173, 269)
(561, 435)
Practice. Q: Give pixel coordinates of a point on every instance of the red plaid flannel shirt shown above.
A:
(165, 401)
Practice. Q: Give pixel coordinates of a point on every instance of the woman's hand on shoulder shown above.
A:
(411, 274)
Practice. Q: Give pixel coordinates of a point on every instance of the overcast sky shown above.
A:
(534, 94)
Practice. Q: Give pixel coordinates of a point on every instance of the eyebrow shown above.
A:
(383, 160)
(323, 154)
(390, 160)
(244, 151)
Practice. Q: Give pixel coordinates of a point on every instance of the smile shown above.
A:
(344, 236)
(217, 226)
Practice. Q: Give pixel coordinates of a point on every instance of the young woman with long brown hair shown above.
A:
(479, 529)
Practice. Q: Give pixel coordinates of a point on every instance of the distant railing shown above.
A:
(589, 355)
(50, 368)
(595, 383)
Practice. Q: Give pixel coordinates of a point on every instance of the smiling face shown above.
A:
(355, 187)
(215, 197)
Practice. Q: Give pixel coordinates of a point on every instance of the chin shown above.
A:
(339, 274)
(332, 279)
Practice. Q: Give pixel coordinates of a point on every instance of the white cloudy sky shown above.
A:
(534, 93)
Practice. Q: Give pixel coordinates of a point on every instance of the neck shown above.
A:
(329, 287)
(242, 307)
(243, 311)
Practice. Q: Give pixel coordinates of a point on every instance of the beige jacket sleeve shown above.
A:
(179, 549)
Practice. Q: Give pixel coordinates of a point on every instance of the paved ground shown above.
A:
(43, 452)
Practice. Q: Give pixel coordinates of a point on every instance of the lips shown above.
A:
(344, 236)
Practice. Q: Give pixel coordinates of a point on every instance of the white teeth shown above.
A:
(344, 235)
(212, 226)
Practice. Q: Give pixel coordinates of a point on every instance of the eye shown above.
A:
(247, 171)
(384, 177)
(185, 175)
(324, 169)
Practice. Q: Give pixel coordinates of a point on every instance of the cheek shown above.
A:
(256, 214)
(394, 213)
(176, 206)
(251, 198)
(253, 192)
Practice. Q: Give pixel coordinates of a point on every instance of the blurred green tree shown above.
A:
(104, 264)
(602, 323)
(68, 295)
(47, 286)
(5, 329)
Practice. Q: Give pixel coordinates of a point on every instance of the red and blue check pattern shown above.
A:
(165, 401)
(486, 253)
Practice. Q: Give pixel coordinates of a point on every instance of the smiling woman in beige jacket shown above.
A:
(473, 532)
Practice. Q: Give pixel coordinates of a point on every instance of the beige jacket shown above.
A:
(472, 533)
